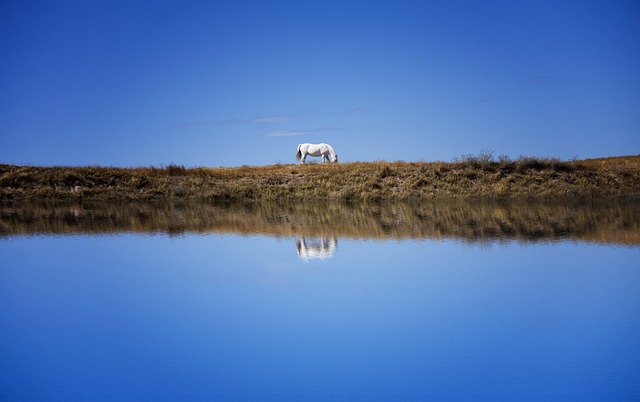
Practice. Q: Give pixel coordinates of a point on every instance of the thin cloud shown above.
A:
(357, 110)
(338, 113)
(215, 123)
(257, 121)
(275, 119)
(545, 79)
(287, 133)
(266, 120)
(292, 133)
(253, 121)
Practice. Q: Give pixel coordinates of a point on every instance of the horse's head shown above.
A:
(335, 158)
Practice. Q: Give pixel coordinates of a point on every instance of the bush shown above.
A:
(176, 170)
(482, 161)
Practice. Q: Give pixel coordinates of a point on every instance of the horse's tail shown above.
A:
(299, 154)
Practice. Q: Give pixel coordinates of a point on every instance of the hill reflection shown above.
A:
(469, 221)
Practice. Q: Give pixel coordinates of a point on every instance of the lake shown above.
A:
(320, 300)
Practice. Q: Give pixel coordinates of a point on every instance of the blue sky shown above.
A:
(228, 83)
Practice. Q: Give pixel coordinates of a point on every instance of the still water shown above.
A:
(320, 300)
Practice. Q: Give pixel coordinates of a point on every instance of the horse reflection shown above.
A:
(320, 248)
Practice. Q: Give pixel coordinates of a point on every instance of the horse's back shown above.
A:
(314, 149)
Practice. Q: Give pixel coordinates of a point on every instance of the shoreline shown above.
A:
(473, 177)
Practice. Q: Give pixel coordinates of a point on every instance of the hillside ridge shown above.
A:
(467, 177)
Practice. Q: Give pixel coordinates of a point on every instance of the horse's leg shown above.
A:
(304, 157)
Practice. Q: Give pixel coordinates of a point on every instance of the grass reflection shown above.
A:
(466, 220)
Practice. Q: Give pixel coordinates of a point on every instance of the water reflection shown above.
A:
(235, 317)
(320, 248)
(606, 222)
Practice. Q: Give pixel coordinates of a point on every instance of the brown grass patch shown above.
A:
(467, 177)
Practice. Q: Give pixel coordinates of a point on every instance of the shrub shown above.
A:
(175, 170)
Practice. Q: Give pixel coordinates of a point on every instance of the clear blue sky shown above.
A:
(211, 83)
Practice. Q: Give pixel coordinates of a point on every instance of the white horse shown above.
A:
(316, 150)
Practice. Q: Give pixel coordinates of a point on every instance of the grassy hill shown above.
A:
(468, 177)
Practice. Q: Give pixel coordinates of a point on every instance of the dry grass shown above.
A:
(467, 177)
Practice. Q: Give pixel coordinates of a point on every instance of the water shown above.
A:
(311, 300)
